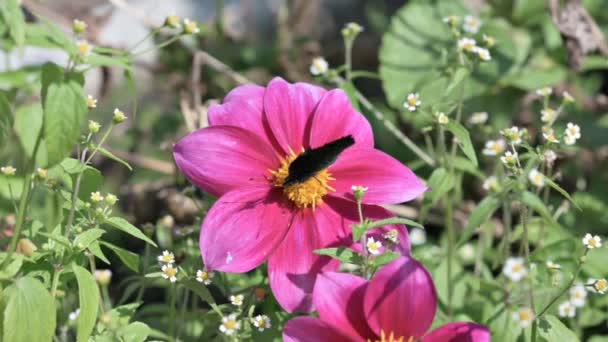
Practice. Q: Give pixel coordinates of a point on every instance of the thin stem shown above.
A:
(364, 73)
(142, 289)
(363, 240)
(449, 222)
(506, 218)
(348, 48)
(158, 46)
(150, 34)
(172, 300)
(55, 281)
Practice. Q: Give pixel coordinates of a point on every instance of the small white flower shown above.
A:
(513, 134)
(262, 322)
(417, 236)
(572, 133)
(566, 309)
(467, 252)
(373, 246)
(84, 48)
(173, 21)
(592, 241)
(74, 315)
(524, 316)
(494, 147)
(96, 197)
(514, 269)
(536, 178)
(103, 276)
(471, 24)
(600, 286)
(190, 26)
(91, 102)
(119, 116)
(442, 119)
(204, 277)
(550, 157)
(548, 115)
(478, 118)
(509, 159)
(567, 97)
(549, 135)
(451, 19)
(466, 44)
(166, 258)
(552, 265)
(489, 40)
(237, 300)
(170, 272)
(8, 170)
(319, 66)
(545, 91)
(578, 295)
(392, 236)
(483, 54)
(230, 324)
(490, 183)
(413, 102)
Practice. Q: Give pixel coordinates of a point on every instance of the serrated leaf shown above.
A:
(110, 155)
(95, 249)
(28, 124)
(15, 20)
(484, 210)
(341, 253)
(135, 332)
(464, 140)
(28, 302)
(130, 259)
(124, 225)
(88, 300)
(385, 258)
(552, 329)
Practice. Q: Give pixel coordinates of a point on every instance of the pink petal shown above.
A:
(288, 109)
(311, 329)
(350, 216)
(222, 158)
(293, 267)
(338, 298)
(335, 117)
(459, 332)
(401, 299)
(388, 181)
(242, 228)
(248, 92)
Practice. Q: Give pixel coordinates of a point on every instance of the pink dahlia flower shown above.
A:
(244, 158)
(397, 305)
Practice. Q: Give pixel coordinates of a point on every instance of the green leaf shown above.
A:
(484, 210)
(15, 20)
(6, 121)
(64, 112)
(537, 205)
(109, 155)
(96, 250)
(463, 164)
(360, 229)
(464, 140)
(556, 250)
(440, 183)
(135, 332)
(341, 253)
(88, 299)
(124, 225)
(385, 258)
(550, 328)
(351, 91)
(202, 291)
(84, 239)
(9, 271)
(28, 124)
(561, 191)
(30, 312)
(130, 259)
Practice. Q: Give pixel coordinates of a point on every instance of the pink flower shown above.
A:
(243, 158)
(399, 301)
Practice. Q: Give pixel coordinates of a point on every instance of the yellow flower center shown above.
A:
(517, 268)
(601, 285)
(525, 315)
(413, 101)
(230, 324)
(170, 272)
(307, 193)
(593, 243)
(391, 338)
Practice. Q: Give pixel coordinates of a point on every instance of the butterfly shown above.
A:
(313, 160)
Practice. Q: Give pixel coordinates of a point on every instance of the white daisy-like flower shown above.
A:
(166, 258)
(536, 178)
(169, 272)
(230, 324)
(83, 48)
(442, 119)
(600, 286)
(483, 54)
(173, 21)
(550, 157)
(567, 97)
(549, 135)
(478, 118)
(190, 26)
(467, 252)
(392, 236)
(319, 66)
(548, 115)
(566, 309)
(373, 246)
(471, 24)
(552, 265)
(578, 295)
(74, 315)
(8, 170)
(204, 277)
(490, 183)
(237, 300)
(524, 317)
(514, 269)
(262, 322)
(572, 133)
(96, 197)
(592, 241)
(417, 236)
(494, 147)
(545, 91)
(103, 277)
(91, 102)
(412, 102)
(466, 44)
(512, 134)
(509, 158)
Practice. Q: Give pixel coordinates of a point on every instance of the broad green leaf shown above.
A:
(551, 329)
(484, 210)
(463, 164)
(6, 120)
(9, 271)
(84, 239)
(202, 291)
(64, 112)
(12, 13)
(560, 249)
(537, 205)
(110, 61)
(88, 300)
(124, 225)
(559, 189)
(130, 259)
(96, 250)
(28, 124)
(341, 253)
(464, 140)
(28, 302)
(135, 332)
(385, 258)
(110, 155)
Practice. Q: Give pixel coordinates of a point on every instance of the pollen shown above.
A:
(391, 338)
(305, 194)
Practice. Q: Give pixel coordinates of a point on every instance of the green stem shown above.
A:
(449, 222)
(172, 300)
(348, 49)
(363, 241)
(146, 37)
(158, 46)
(55, 281)
(364, 73)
